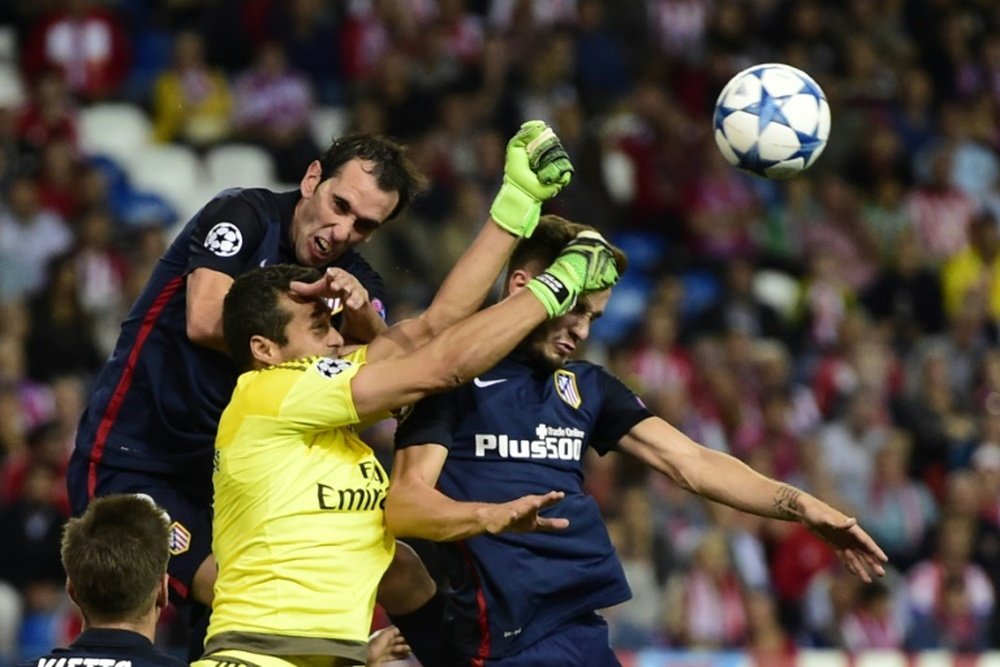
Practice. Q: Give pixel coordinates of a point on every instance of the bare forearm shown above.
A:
(477, 343)
(421, 511)
(729, 481)
(469, 282)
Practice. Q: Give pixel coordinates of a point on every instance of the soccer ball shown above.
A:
(772, 120)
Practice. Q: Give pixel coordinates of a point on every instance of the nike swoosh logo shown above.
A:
(487, 383)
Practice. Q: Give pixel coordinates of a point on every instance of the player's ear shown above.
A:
(163, 593)
(70, 591)
(312, 179)
(264, 351)
(517, 279)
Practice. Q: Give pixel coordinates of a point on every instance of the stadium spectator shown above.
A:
(941, 213)
(102, 274)
(46, 447)
(976, 267)
(87, 42)
(635, 625)
(191, 101)
(59, 179)
(722, 212)
(951, 597)
(308, 31)
(906, 296)
(61, 338)
(656, 360)
(30, 562)
(873, 623)
(50, 113)
(706, 603)
(115, 557)
(271, 107)
(848, 446)
(900, 512)
(938, 415)
(739, 309)
(29, 237)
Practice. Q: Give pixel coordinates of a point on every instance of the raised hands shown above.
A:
(536, 168)
(586, 264)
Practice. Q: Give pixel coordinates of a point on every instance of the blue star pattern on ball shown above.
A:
(768, 108)
(771, 120)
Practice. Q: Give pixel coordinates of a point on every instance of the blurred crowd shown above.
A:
(838, 330)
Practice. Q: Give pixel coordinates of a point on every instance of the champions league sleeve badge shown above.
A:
(224, 239)
(331, 368)
(566, 388)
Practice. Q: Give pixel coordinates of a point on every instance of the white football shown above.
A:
(772, 120)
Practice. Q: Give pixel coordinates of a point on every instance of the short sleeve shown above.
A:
(430, 420)
(620, 410)
(226, 236)
(320, 397)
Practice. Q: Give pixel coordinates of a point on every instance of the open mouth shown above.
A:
(323, 247)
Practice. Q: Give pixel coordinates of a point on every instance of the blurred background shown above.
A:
(838, 331)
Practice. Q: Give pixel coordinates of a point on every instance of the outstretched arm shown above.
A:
(414, 508)
(727, 480)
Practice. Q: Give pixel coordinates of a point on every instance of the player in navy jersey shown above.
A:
(115, 557)
(150, 421)
(473, 467)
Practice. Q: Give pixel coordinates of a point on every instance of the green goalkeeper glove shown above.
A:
(536, 168)
(586, 264)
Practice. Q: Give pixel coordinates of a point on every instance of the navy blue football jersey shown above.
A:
(513, 431)
(101, 647)
(156, 403)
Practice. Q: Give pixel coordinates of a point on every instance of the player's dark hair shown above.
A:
(115, 556)
(394, 171)
(252, 308)
(548, 240)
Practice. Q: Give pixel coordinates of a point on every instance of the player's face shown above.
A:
(340, 212)
(553, 343)
(309, 332)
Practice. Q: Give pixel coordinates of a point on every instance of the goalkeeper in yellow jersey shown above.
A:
(299, 532)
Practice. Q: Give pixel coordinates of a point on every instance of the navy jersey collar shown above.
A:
(286, 209)
(111, 637)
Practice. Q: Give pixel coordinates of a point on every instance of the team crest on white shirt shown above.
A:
(566, 387)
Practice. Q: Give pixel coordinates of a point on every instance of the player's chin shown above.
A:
(555, 358)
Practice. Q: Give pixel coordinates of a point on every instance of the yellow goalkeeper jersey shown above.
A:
(299, 530)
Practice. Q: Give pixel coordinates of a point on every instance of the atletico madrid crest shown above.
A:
(566, 387)
(180, 538)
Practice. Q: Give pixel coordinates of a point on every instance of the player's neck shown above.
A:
(145, 627)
